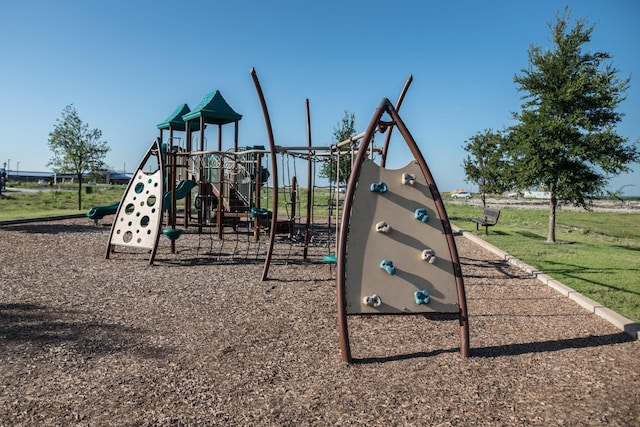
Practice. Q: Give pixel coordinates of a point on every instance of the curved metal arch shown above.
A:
(385, 146)
(274, 175)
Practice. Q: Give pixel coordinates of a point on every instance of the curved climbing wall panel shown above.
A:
(396, 248)
(139, 218)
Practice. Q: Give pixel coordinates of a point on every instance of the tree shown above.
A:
(76, 149)
(565, 139)
(485, 166)
(344, 130)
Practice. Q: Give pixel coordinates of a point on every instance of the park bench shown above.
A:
(489, 219)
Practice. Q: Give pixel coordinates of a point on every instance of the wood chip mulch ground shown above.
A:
(200, 340)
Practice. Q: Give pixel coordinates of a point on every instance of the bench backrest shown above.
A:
(493, 214)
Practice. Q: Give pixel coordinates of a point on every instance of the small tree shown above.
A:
(76, 149)
(565, 140)
(484, 166)
(345, 130)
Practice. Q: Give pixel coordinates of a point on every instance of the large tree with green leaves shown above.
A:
(342, 132)
(565, 139)
(485, 165)
(76, 149)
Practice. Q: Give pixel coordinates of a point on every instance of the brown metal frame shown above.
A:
(385, 146)
(274, 175)
(376, 122)
(307, 231)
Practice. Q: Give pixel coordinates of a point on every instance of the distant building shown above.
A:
(106, 177)
(112, 177)
(29, 176)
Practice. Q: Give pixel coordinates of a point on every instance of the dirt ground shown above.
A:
(197, 340)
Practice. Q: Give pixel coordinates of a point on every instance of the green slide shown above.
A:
(99, 212)
(182, 189)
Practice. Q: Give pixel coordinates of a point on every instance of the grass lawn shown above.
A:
(597, 253)
(42, 201)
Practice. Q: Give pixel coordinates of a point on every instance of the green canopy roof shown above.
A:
(214, 109)
(175, 120)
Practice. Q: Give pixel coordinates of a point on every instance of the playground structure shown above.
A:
(385, 264)
(235, 187)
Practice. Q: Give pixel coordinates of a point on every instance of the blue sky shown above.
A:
(126, 65)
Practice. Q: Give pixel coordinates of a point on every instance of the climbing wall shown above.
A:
(136, 224)
(139, 217)
(398, 260)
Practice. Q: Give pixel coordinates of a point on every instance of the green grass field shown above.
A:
(597, 254)
(44, 201)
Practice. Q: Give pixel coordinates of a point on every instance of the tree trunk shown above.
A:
(483, 196)
(551, 231)
(79, 192)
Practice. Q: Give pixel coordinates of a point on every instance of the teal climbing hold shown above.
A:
(421, 215)
(387, 266)
(330, 259)
(261, 213)
(422, 297)
(378, 187)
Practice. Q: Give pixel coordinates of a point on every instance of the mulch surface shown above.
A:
(201, 340)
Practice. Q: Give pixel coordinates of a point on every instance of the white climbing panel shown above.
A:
(141, 209)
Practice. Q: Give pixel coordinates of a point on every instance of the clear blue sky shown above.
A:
(126, 65)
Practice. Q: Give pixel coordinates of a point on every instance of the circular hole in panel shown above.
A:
(149, 180)
(144, 221)
(153, 210)
(118, 231)
(151, 200)
(127, 237)
(129, 223)
(139, 188)
(139, 240)
(129, 209)
(137, 213)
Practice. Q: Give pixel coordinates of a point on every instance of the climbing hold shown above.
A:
(422, 297)
(330, 259)
(372, 301)
(421, 215)
(387, 266)
(378, 187)
(429, 256)
(260, 212)
(383, 227)
(408, 178)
